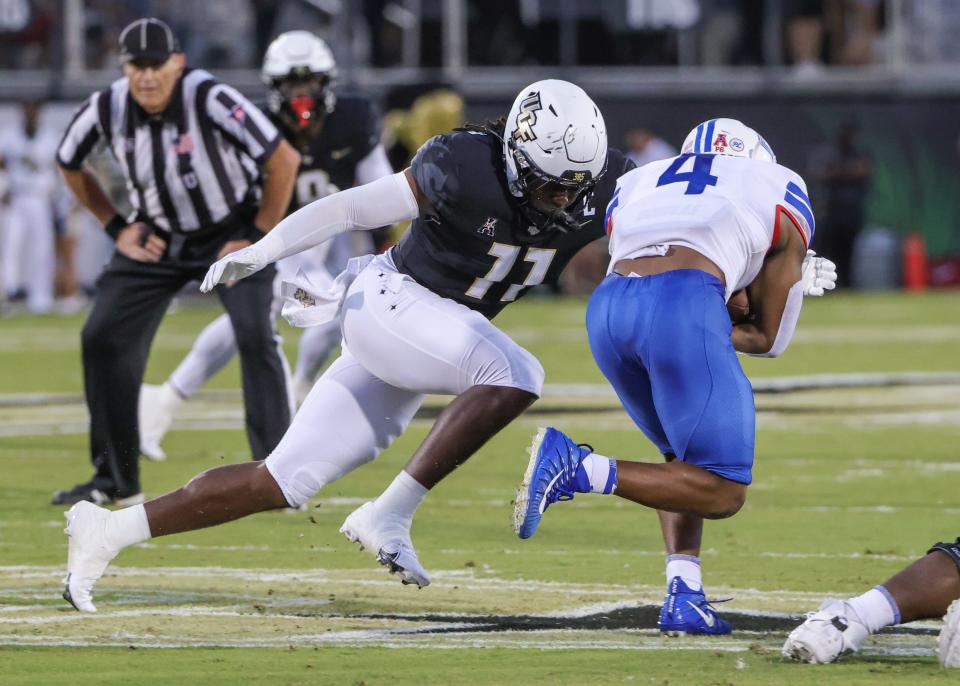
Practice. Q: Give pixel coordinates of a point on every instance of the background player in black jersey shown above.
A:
(338, 138)
(495, 211)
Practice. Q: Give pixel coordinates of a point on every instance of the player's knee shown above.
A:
(727, 499)
(537, 376)
(526, 372)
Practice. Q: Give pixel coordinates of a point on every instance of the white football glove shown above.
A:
(818, 274)
(237, 265)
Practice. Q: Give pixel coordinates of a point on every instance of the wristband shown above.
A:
(115, 226)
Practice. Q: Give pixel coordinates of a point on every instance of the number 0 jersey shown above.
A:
(480, 250)
(724, 207)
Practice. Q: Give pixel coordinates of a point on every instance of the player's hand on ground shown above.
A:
(138, 243)
(233, 267)
(819, 274)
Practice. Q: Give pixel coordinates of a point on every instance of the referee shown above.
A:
(207, 174)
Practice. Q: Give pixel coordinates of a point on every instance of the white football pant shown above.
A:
(401, 341)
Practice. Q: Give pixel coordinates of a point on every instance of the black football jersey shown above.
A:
(328, 163)
(480, 249)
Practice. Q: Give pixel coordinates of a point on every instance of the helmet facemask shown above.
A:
(302, 99)
(539, 192)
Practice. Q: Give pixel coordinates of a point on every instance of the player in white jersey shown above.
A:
(685, 234)
(29, 258)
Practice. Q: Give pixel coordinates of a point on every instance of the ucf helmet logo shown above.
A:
(527, 118)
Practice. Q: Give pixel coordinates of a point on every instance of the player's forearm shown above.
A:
(281, 174)
(750, 339)
(387, 200)
(88, 192)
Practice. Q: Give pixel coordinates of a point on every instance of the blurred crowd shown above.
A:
(808, 34)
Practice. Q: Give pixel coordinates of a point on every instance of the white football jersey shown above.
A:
(724, 207)
(31, 162)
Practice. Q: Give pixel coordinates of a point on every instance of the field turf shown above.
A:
(850, 484)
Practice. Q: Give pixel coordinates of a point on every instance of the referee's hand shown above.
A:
(233, 267)
(138, 243)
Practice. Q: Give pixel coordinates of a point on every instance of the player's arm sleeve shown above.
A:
(242, 122)
(81, 135)
(436, 172)
(373, 166)
(388, 200)
(796, 202)
(778, 294)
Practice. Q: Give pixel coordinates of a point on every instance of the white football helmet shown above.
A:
(554, 135)
(299, 57)
(728, 137)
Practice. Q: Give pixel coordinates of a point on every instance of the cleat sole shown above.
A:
(522, 500)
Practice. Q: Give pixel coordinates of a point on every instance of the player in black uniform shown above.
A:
(495, 212)
(338, 138)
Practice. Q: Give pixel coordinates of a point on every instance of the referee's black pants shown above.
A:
(131, 299)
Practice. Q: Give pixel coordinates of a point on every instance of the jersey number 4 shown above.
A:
(697, 180)
(506, 257)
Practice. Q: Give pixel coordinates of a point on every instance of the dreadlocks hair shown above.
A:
(497, 127)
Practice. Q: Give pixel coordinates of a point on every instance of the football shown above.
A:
(738, 306)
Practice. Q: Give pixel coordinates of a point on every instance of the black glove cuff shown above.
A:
(115, 226)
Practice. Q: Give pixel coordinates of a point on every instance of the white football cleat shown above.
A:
(828, 633)
(87, 553)
(156, 407)
(948, 643)
(389, 540)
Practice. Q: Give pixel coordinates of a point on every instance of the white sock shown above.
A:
(127, 526)
(402, 497)
(601, 472)
(876, 609)
(687, 567)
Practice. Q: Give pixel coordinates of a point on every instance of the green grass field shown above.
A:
(849, 485)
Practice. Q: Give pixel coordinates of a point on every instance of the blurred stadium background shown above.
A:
(862, 97)
(799, 71)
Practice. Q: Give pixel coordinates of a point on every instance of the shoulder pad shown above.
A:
(453, 167)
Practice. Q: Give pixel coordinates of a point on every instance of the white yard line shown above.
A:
(465, 579)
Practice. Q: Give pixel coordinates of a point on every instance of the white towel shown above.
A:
(308, 304)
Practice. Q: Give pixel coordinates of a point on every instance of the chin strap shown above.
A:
(788, 322)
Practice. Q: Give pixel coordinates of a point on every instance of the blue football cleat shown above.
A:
(551, 476)
(686, 611)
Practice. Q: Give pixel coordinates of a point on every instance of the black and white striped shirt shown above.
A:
(188, 168)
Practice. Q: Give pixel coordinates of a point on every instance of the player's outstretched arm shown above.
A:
(776, 296)
(387, 200)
